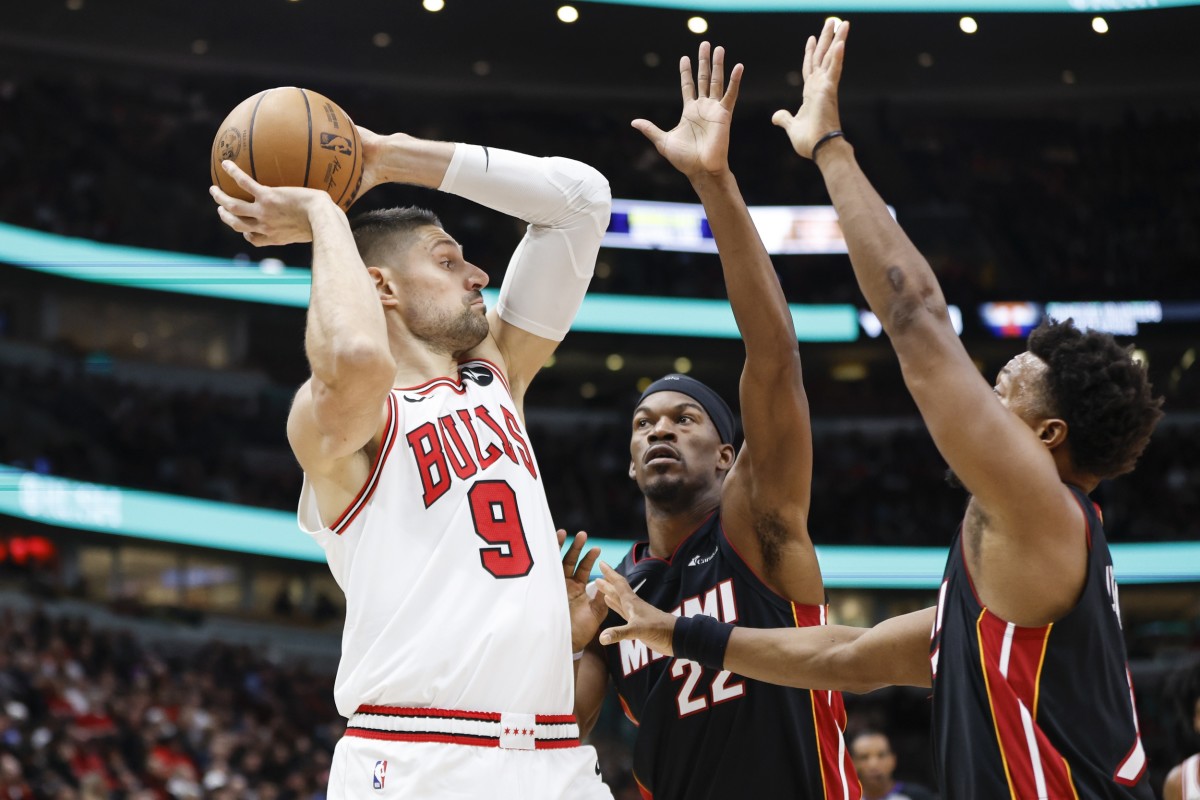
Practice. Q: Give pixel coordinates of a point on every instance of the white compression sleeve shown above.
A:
(566, 204)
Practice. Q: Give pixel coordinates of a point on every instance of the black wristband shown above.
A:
(701, 639)
(823, 140)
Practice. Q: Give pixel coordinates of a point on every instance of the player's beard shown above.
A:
(671, 493)
(452, 334)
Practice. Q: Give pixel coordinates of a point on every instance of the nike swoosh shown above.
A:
(640, 585)
(408, 399)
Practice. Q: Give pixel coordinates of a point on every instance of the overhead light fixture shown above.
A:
(614, 362)
(381, 39)
(683, 365)
(1099, 24)
(697, 24)
(433, 5)
(968, 25)
(568, 14)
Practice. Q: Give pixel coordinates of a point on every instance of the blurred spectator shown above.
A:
(876, 766)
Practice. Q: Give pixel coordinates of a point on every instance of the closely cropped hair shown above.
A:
(381, 231)
(1102, 394)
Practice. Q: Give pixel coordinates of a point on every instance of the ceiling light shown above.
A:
(925, 59)
(433, 5)
(697, 24)
(614, 362)
(1099, 24)
(568, 13)
(968, 25)
(381, 39)
(683, 365)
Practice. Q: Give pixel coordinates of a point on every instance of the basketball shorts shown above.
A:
(375, 769)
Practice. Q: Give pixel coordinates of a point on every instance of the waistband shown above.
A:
(507, 730)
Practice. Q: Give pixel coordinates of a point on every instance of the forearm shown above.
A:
(894, 277)
(806, 658)
(757, 299)
(345, 318)
(567, 205)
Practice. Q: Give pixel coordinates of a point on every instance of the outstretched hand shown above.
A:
(643, 621)
(699, 144)
(821, 70)
(275, 215)
(587, 610)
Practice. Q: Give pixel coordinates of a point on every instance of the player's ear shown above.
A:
(632, 471)
(1052, 432)
(383, 286)
(726, 457)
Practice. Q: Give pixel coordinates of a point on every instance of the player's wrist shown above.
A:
(702, 639)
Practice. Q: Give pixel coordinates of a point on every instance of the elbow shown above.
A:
(587, 190)
(912, 306)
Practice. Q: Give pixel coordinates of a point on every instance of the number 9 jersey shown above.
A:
(449, 560)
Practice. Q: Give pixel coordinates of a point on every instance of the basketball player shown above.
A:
(420, 483)
(1183, 781)
(1031, 693)
(727, 531)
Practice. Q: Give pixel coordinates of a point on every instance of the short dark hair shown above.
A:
(1102, 394)
(385, 229)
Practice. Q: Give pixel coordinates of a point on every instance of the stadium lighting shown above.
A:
(697, 24)
(683, 365)
(568, 14)
(433, 5)
(1099, 24)
(968, 25)
(614, 362)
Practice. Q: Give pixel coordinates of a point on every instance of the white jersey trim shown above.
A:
(364, 494)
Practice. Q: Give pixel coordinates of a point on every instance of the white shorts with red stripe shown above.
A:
(391, 752)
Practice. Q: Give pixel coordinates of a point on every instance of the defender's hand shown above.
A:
(699, 144)
(276, 215)
(643, 621)
(586, 612)
(822, 70)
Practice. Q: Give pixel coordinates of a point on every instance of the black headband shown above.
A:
(712, 403)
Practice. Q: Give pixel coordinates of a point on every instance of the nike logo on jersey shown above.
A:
(408, 399)
(698, 560)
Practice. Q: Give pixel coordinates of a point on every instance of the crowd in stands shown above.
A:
(872, 484)
(1013, 203)
(97, 715)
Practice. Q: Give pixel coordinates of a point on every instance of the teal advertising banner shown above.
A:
(242, 529)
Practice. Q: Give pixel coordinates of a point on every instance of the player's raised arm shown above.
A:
(766, 497)
(997, 456)
(837, 657)
(340, 408)
(566, 204)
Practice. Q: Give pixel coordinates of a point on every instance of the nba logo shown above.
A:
(380, 774)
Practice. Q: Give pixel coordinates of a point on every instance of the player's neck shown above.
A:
(416, 363)
(668, 527)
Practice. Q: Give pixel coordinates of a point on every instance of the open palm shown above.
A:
(822, 71)
(700, 142)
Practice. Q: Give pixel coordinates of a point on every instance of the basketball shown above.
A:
(290, 136)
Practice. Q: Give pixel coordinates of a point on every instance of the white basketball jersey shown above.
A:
(1191, 777)
(449, 560)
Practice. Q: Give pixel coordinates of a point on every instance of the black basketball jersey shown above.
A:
(1035, 712)
(705, 734)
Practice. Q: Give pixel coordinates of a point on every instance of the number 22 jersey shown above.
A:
(449, 560)
(705, 735)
